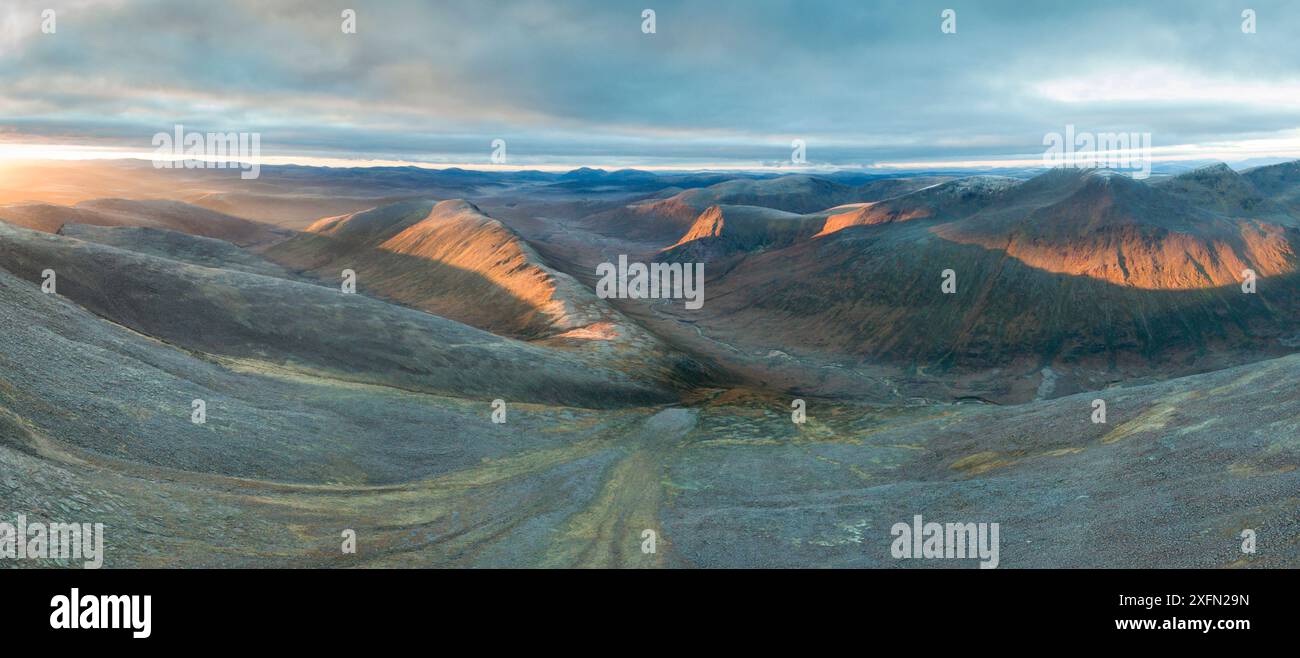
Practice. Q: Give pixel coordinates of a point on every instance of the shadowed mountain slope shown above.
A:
(796, 194)
(721, 231)
(1279, 182)
(936, 201)
(170, 215)
(208, 252)
(1220, 189)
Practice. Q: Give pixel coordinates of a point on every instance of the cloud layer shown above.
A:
(720, 82)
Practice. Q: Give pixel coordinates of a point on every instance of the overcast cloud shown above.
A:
(576, 82)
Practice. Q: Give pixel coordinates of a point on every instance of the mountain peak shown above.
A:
(1220, 188)
(456, 205)
(1218, 170)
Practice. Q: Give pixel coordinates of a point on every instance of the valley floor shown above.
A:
(1171, 480)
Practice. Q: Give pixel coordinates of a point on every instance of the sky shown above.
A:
(719, 84)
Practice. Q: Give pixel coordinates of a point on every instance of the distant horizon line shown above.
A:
(15, 153)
